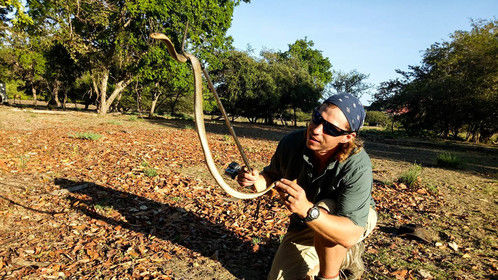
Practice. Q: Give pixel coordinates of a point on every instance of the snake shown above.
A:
(199, 118)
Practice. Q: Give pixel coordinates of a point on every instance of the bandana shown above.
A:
(351, 107)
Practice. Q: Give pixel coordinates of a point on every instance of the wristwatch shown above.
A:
(313, 213)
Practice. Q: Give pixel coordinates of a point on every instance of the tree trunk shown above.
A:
(155, 98)
(295, 117)
(102, 92)
(105, 102)
(55, 94)
(173, 104)
(139, 99)
(64, 100)
(33, 91)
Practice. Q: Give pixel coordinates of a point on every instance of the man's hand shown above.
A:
(293, 197)
(248, 178)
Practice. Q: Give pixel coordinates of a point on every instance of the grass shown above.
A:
(448, 159)
(133, 118)
(23, 160)
(432, 188)
(86, 136)
(411, 176)
(115, 122)
(150, 172)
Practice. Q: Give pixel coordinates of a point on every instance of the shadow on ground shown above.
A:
(247, 130)
(177, 225)
(483, 160)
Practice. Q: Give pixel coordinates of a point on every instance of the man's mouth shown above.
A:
(314, 140)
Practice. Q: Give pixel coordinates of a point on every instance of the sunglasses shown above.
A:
(328, 128)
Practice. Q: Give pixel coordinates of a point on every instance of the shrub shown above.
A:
(411, 176)
(448, 159)
(150, 172)
(86, 136)
(376, 118)
(133, 118)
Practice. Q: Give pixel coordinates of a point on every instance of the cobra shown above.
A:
(199, 118)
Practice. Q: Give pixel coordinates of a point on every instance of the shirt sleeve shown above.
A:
(273, 170)
(354, 201)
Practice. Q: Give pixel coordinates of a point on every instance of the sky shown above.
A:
(374, 37)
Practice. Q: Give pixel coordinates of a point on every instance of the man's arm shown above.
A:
(337, 229)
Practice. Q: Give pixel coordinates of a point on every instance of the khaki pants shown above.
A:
(296, 255)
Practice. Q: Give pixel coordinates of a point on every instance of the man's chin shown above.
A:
(312, 145)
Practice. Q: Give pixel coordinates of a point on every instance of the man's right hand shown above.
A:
(248, 178)
(253, 178)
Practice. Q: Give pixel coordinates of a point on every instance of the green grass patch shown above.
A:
(411, 176)
(115, 122)
(433, 189)
(150, 172)
(133, 118)
(448, 159)
(86, 136)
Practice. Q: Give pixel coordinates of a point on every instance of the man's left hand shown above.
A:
(293, 197)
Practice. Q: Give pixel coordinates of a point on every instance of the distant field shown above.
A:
(91, 197)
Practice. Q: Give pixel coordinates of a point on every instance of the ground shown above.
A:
(119, 197)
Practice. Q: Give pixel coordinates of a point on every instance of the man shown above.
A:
(325, 179)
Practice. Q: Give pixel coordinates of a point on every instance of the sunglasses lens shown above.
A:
(328, 128)
(316, 118)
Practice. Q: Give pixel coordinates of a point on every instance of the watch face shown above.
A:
(314, 213)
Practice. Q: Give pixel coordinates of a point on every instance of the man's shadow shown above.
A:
(177, 225)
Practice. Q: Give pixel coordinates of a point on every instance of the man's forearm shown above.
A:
(337, 229)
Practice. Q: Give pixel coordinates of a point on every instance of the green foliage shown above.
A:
(86, 136)
(267, 88)
(150, 172)
(110, 39)
(411, 176)
(352, 82)
(376, 118)
(433, 189)
(133, 118)
(448, 159)
(454, 88)
(115, 122)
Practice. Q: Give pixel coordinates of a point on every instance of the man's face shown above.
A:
(322, 143)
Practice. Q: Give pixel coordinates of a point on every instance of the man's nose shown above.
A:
(317, 129)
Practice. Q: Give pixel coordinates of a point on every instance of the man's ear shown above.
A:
(348, 137)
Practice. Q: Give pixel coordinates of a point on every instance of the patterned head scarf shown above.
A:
(351, 107)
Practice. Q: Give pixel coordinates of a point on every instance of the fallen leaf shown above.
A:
(424, 273)
(400, 274)
(453, 246)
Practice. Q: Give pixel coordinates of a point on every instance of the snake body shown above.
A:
(199, 119)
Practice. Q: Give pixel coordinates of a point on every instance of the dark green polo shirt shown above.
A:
(348, 183)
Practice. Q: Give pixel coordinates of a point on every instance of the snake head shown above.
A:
(169, 45)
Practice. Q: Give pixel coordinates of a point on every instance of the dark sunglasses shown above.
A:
(328, 128)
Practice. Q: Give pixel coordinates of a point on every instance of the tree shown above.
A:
(301, 74)
(61, 73)
(25, 60)
(453, 88)
(352, 82)
(111, 37)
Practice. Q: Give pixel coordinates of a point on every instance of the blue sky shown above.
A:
(374, 37)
